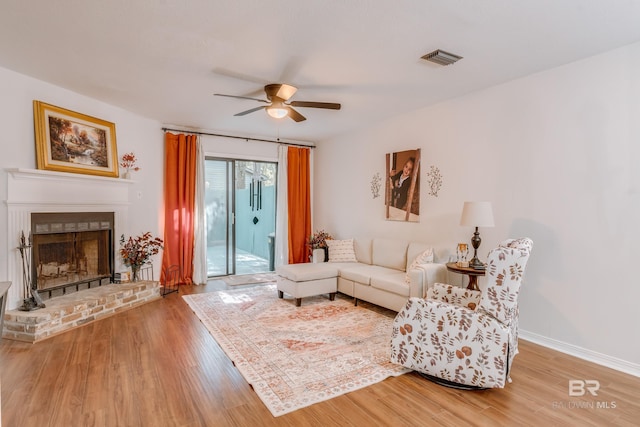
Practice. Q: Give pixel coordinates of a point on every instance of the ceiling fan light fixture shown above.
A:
(441, 57)
(277, 109)
(277, 112)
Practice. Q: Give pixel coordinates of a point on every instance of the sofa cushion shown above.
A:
(390, 253)
(362, 273)
(393, 282)
(363, 250)
(341, 251)
(307, 271)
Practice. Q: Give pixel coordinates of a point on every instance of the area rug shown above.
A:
(249, 279)
(297, 356)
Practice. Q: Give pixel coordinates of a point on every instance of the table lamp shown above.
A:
(476, 214)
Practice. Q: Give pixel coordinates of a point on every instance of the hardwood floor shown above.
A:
(158, 366)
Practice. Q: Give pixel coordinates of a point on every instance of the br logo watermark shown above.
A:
(582, 387)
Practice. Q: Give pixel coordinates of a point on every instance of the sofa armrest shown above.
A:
(424, 276)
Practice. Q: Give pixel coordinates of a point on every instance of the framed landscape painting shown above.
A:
(402, 195)
(67, 141)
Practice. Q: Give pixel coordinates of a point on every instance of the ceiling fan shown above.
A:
(278, 95)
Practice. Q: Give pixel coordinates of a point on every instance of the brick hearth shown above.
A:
(79, 308)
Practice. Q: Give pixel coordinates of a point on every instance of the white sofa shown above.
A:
(377, 274)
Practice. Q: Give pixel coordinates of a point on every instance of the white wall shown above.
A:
(133, 133)
(556, 153)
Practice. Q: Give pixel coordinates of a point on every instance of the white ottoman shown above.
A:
(306, 280)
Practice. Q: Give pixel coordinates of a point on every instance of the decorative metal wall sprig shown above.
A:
(434, 181)
(31, 300)
(376, 183)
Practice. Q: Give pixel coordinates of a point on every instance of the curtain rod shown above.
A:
(239, 137)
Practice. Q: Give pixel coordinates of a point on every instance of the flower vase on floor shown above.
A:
(318, 255)
(136, 252)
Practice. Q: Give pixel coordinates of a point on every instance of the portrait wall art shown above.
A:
(67, 141)
(402, 190)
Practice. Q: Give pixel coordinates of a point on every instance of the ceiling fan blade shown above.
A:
(295, 115)
(286, 91)
(242, 97)
(244, 113)
(255, 92)
(239, 76)
(291, 69)
(327, 105)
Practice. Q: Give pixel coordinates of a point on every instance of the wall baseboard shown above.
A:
(582, 353)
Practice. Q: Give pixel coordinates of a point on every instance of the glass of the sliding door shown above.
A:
(255, 208)
(217, 213)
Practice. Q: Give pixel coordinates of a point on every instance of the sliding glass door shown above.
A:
(240, 216)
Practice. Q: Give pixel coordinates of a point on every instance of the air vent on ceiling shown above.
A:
(441, 57)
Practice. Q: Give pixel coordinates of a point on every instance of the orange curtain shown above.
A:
(179, 203)
(299, 203)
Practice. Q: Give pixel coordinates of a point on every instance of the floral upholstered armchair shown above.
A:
(461, 337)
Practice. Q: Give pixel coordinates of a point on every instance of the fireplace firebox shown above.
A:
(71, 251)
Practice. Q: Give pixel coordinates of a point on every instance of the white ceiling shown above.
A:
(164, 59)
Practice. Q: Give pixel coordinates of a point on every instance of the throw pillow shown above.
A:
(341, 251)
(424, 258)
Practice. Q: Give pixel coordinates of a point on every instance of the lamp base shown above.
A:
(476, 264)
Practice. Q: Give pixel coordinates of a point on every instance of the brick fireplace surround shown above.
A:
(79, 308)
(30, 191)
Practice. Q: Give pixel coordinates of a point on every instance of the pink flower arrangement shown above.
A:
(318, 239)
(129, 162)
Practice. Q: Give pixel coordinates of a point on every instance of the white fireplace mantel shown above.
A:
(43, 187)
(30, 190)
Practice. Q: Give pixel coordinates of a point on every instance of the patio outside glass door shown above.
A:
(240, 216)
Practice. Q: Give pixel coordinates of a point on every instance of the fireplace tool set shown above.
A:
(31, 300)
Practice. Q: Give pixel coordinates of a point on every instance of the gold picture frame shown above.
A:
(402, 189)
(67, 141)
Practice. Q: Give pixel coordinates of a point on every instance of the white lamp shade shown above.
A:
(477, 214)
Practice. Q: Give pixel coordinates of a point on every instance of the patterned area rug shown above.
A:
(297, 356)
(249, 279)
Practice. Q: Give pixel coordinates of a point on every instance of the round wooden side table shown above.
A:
(471, 272)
